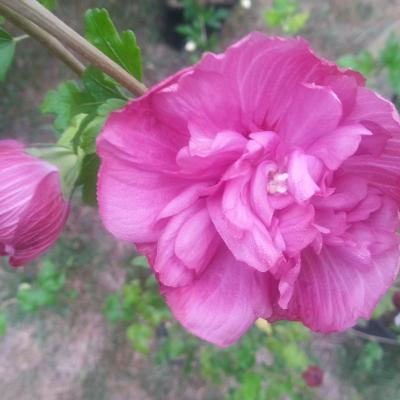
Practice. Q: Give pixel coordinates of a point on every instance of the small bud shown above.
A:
(396, 300)
(33, 206)
(313, 376)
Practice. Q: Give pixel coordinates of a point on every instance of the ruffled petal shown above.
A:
(378, 162)
(241, 230)
(185, 247)
(131, 200)
(296, 227)
(222, 303)
(335, 288)
(339, 145)
(314, 112)
(134, 135)
(302, 170)
(265, 71)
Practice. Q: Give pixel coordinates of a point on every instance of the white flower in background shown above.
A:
(245, 4)
(190, 46)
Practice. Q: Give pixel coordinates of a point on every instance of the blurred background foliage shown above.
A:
(87, 321)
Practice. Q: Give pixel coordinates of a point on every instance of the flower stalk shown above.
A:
(35, 13)
(54, 45)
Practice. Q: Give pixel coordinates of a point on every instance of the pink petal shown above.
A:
(296, 227)
(243, 233)
(41, 223)
(334, 289)
(185, 246)
(314, 112)
(339, 145)
(131, 200)
(135, 135)
(223, 302)
(349, 191)
(301, 169)
(263, 70)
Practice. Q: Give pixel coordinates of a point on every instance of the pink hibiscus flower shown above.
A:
(33, 210)
(262, 182)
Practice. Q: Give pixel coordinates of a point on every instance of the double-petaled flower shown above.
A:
(262, 182)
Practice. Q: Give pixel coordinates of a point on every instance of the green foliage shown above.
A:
(81, 108)
(7, 51)
(50, 4)
(390, 59)
(199, 21)
(250, 388)
(67, 101)
(363, 62)
(386, 63)
(370, 367)
(139, 306)
(70, 99)
(45, 291)
(266, 363)
(385, 305)
(370, 355)
(285, 14)
(3, 324)
(122, 48)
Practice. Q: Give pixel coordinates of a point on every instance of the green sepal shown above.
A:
(68, 162)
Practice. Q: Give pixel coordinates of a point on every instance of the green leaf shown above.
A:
(67, 101)
(100, 86)
(390, 55)
(3, 324)
(50, 4)
(370, 355)
(250, 387)
(296, 22)
(273, 18)
(363, 62)
(70, 100)
(140, 336)
(7, 50)
(294, 356)
(121, 48)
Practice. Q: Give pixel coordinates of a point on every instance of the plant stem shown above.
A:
(20, 38)
(36, 13)
(56, 47)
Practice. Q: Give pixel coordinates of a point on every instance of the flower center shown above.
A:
(278, 183)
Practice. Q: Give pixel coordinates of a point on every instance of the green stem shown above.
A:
(55, 46)
(39, 15)
(20, 38)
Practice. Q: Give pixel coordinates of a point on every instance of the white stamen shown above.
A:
(278, 183)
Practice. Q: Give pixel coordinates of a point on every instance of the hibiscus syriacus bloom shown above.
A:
(262, 182)
(32, 207)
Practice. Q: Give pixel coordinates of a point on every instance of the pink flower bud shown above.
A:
(313, 376)
(33, 210)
